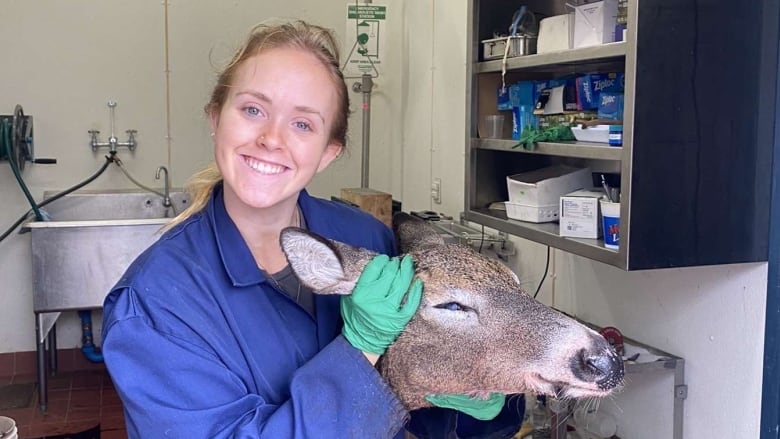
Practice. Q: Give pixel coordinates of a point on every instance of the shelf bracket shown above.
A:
(681, 391)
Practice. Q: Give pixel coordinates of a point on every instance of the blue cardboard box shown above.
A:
(522, 117)
(590, 86)
(610, 106)
(558, 96)
(503, 98)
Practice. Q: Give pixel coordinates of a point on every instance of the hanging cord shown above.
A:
(109, 160)
(544, 276)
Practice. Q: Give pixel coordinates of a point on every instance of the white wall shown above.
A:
(711, 316)
(65, 61)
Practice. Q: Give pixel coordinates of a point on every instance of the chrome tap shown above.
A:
(113, 142)
(166, 186)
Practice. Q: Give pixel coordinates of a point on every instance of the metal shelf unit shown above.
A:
(682, 179)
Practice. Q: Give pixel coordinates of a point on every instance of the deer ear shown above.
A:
(320, 264)
(414, 233)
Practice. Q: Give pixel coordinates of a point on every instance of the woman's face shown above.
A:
(272, 135)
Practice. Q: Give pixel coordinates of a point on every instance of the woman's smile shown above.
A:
(264, 167)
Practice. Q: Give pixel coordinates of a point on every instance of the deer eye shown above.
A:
(452, 306)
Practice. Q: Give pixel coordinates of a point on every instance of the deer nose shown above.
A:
(601, 365)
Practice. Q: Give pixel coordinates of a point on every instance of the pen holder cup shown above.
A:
(610, 222)
(492, 126)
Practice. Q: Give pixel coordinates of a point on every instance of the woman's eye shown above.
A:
(303, 126)
(451, 306)
(252, 111)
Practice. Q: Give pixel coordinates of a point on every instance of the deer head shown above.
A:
(476, 331)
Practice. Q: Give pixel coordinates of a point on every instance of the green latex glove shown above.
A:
(378, 309)
(482, 409)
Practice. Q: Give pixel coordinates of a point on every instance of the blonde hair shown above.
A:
(317, 40)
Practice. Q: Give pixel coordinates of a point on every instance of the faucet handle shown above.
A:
(94, 139)
(131, 139)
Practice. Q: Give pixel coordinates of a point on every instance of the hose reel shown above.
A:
(17, 137)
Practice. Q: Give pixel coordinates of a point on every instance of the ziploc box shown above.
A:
(522, 97)
(534, 195)
(559, 96)
(590, 87)
(579, 214)
(610, 106)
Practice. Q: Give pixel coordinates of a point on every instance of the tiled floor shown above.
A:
(77, 401)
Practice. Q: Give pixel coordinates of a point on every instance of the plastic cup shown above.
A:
(492, 126)
(610, 223)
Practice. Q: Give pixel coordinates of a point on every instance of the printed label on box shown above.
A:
(579, 214)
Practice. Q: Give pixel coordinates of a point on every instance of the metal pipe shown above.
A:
(365, 87)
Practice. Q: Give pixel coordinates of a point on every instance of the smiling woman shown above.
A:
(240, 346)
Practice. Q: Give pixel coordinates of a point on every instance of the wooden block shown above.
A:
(377, 203)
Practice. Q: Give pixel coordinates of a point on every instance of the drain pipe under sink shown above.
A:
(90, 351)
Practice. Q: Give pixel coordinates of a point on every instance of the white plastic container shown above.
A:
(597, 133)
(534, 195)
(531, 214)
(492, 126)
(8, 428)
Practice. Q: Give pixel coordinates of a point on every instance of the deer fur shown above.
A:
(476, 331)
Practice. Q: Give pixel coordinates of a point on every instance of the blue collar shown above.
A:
(236, 257)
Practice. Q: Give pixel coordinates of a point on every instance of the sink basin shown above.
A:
(113, 205)
(90, 240)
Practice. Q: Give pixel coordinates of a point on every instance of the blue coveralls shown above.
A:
(200, 344)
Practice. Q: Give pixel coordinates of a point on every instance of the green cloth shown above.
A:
(379, 308)
(554, 133)
(482, 409)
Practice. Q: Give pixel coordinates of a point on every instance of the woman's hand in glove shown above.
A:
(379, 307)
(482, 409)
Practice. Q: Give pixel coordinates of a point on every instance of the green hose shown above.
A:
(5, 145)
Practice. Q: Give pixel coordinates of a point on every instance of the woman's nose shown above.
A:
(269, 136)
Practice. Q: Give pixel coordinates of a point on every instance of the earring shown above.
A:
(213, 134)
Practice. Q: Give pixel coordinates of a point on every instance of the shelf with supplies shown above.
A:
(545, 233)
(584, 150)
(558, 60)
(682, 182)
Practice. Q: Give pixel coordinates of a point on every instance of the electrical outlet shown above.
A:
(436, 190)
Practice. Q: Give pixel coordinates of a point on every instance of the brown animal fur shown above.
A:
(476, 331)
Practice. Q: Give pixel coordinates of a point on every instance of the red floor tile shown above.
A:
(77, 401)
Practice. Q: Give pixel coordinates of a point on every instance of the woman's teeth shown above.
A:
(264, 168)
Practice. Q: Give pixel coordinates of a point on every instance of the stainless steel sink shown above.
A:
(90, 240)
(113, 205)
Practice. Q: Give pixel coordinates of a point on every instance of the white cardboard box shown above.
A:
(534, 195)
(579, 214)
(555, 33)
(594, 23)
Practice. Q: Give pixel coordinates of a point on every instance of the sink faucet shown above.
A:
(166, 186)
